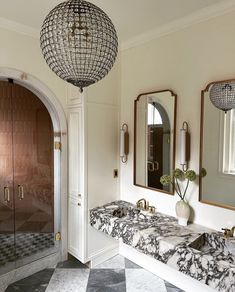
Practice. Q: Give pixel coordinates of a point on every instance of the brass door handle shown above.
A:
(150, 166)
(20, 192)
(156, 165)
(6, 194)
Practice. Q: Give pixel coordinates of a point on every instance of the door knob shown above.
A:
(6, 194)
(20, 192)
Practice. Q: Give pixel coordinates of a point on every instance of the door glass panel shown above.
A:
(7, 247)
(33, 163)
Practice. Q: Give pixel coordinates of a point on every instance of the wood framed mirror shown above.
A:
(154, 138)
(217, 152)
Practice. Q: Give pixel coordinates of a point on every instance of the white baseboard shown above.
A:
(103, 255)
(163, 271)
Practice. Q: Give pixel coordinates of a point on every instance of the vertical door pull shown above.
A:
(20, 192)
(6, 194)
(156, 165)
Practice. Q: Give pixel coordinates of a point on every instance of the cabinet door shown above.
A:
(76, 168)
(76, 221)
(75, 238)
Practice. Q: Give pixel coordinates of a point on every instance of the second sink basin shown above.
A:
(212, 243)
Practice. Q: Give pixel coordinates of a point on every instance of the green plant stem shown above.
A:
(179, 190)
(185, 189)
(176, 189)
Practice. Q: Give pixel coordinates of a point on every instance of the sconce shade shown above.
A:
(184, 146)
(124, 143)
(79, 42)
(183, 133)
(222, 95)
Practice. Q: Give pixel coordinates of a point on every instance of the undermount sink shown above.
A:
(137, 213)
(213, 244)
(130, 211)
(203, 244)
(146, 213)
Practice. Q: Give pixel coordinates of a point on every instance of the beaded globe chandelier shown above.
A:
(222, 95)
(79, 42)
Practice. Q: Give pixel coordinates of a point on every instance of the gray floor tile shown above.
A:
(131, 265)
(107, 280)
(71, 263)
(36, 283)
(172, 288)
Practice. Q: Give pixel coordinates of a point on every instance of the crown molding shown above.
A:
(177, 25)
(194, 18)
(19, 27)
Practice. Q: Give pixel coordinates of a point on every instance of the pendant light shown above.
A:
(79, 42)
(222, 95)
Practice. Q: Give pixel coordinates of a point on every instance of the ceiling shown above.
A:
(130, 17)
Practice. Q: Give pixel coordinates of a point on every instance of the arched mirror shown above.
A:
(217, 146)
(154, 146)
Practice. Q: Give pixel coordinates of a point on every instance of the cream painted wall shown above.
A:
(184, 61)
(22, 52)
(107, 90)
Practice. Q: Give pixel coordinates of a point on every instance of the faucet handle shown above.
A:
(227, 232)
(139, 205)
(147, 205)
(152, 209)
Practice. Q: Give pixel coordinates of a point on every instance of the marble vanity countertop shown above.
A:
(194, 250)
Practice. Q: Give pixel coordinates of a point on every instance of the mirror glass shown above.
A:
(154, 151)
(217, 154)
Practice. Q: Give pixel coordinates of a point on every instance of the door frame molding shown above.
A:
(58, 117)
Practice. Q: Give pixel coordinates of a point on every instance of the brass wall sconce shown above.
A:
(184, 146)
(124, 143)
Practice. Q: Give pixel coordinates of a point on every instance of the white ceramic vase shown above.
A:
(182, 210)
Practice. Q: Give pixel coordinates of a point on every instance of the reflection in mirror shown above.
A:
(217, 154)
(154, 138)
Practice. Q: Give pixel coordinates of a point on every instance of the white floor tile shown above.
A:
(68, 280)
(142, 280)
(117, 262)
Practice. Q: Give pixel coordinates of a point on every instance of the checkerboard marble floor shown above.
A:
(115, 275)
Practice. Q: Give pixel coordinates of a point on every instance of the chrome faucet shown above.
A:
(229, 232)
(142, 204)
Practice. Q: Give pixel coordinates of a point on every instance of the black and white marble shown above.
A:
(205, 256)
